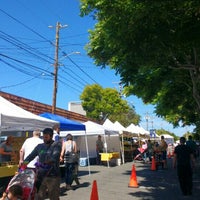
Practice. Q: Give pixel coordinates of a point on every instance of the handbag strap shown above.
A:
(72, 146)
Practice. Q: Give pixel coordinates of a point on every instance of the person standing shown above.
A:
(48, 172)
(68, 146)
(56, 132)
(192, 144)
(99, 149)
(149, 149)
(6, 150)
(163, 147)
(27, 148)
(184, 161)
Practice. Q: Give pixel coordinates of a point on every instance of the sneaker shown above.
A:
(68, 187)
(77, 181)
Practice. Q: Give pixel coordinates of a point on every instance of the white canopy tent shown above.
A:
(119, 127)
(14, 118)
(93, 129)
(111, 128)
(122, 130)
(108, 125)
(144, 132)
(168, 138)
(133, 129)
(137, 130)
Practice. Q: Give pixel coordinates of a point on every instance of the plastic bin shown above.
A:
(83, 162)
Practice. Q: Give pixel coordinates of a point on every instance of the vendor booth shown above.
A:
(109, 137)
(14, 118)
(17, 122)
(70, 126)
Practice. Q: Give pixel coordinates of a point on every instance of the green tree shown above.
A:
(162, 131)
(100, 103)
(126, 117)
(154, 46)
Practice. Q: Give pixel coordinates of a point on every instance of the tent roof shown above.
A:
(109, 125)
(14, 118)
(166, 136)
(119, 126)
(133, 128)
(92, 127)
(65, 124)
(110, 128)
(137, 129)
(144, 132)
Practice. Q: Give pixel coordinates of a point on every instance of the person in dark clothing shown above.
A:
(192, 144)
(48, 172)
(184, 161)
(69, 146)
(99, 149)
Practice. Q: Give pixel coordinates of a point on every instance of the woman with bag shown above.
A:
(69, 154)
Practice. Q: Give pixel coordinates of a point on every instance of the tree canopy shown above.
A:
(154, 46)
(100, 103)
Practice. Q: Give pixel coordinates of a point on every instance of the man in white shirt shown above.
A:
(28, 146)
(56, 133)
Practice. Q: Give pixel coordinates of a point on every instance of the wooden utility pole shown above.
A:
(147, 117)
(55, 86)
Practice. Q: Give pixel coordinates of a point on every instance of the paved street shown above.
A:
(112, 183)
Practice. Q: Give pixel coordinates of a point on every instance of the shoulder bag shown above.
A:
(71, 157)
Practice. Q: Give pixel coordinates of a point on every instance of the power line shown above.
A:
(21, 62)
(26, 26)
(37, 54)
(23, 46)
(18, 84)
(74, 76)
(82, 70)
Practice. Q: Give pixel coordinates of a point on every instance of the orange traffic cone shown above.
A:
(133, 179)
(94, 194)
(153, 164)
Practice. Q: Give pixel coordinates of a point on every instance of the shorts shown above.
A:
(52, 184)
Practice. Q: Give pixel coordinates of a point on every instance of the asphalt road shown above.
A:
(113, 183)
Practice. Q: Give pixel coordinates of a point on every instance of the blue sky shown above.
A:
(27, 55)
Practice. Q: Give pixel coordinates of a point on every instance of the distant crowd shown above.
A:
(45, 156)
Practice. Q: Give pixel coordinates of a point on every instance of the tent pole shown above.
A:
(86, 144)
(122, 148)
(106, 147)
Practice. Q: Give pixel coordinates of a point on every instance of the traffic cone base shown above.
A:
(133, 180)
(94, 194)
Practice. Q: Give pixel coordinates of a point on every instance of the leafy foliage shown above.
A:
(154, 46)
(162, 132)
(101, 103)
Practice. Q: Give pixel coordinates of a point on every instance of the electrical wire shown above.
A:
(37, 54)
(27, 64)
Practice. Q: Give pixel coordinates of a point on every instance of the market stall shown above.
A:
(17, 122)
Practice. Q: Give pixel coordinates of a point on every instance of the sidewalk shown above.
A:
(112, 183)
